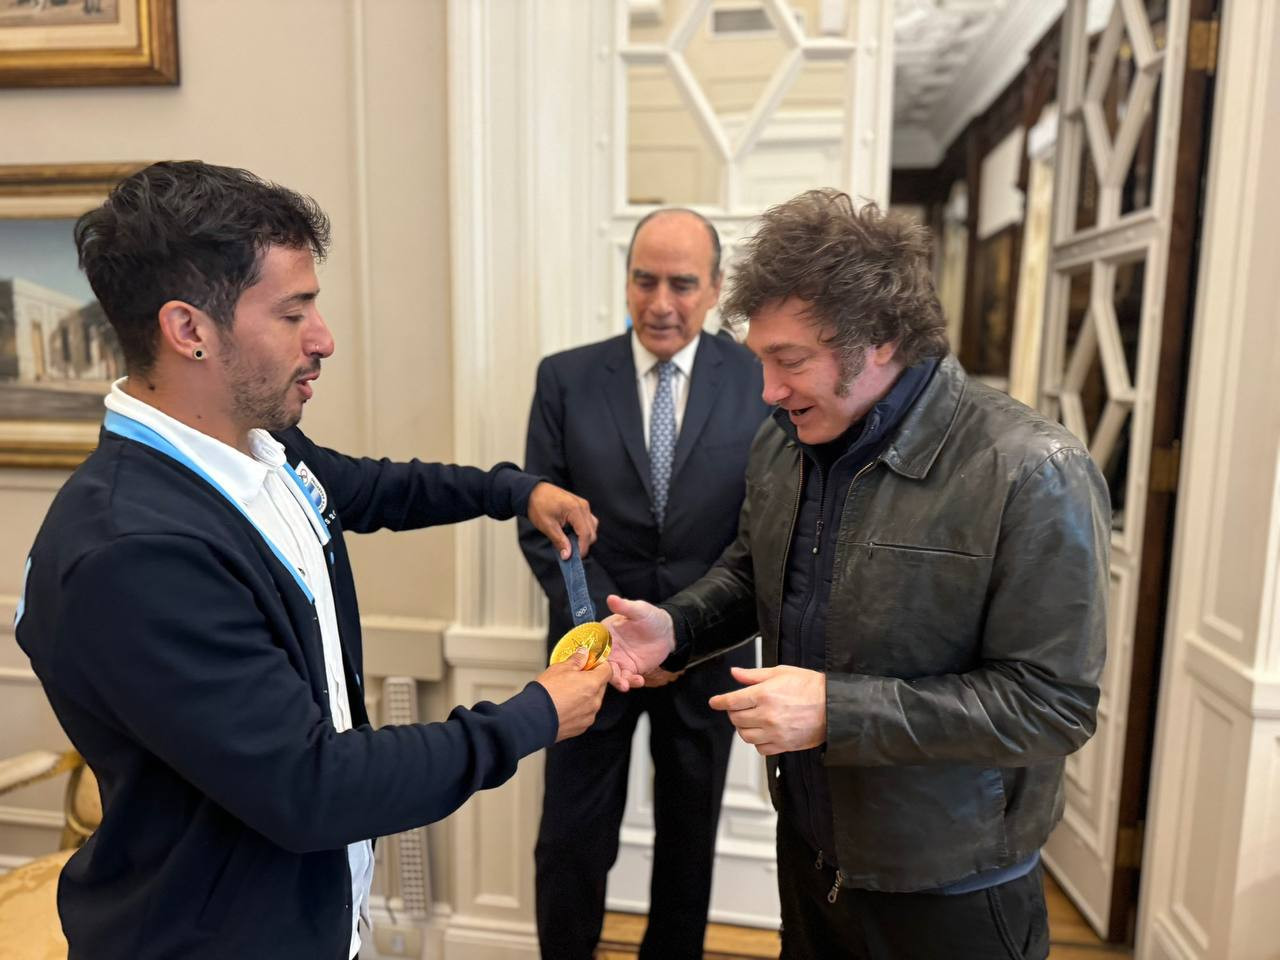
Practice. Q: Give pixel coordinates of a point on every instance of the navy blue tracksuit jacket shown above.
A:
(185, 664)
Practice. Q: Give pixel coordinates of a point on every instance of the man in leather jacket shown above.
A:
(926, 560)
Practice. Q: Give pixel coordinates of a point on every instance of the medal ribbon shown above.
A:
(575, 581)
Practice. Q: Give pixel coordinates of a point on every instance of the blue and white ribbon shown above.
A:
(575, 581)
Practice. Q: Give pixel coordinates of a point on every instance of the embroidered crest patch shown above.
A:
(315, 492)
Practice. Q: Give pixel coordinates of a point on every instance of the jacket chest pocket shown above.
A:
(910, 611)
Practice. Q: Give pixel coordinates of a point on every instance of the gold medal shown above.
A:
(593, 636)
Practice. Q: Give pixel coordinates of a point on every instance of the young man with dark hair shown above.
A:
(190, 609)
(927, 562)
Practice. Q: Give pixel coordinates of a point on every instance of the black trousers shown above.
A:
(1006, 922)
(583, 801)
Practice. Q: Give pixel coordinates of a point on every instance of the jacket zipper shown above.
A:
(834, 892)
(786, 555)
(807, 615)
(835, 888)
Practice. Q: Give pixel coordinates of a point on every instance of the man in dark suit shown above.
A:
(653, 427)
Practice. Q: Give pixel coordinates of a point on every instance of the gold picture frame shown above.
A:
(88, 43)
(57, 355)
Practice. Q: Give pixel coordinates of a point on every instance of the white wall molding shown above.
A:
(32, 817)
(527, 188)
(41, 480)
(1250, 691)
(792, 127)
(1268, 657)
(495, 647)
(870, 116)
(396, 646)
(1210, 875)
(363, 278)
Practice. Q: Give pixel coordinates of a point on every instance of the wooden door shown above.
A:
(1134, 109)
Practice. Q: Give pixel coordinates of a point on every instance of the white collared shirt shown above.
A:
(646, 365)
(261, 485)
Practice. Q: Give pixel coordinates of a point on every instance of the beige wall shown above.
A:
(344, 100)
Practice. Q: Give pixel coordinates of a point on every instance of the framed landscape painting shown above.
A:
(58, 354)
(79, 43)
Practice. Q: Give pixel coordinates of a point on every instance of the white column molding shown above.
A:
(870, 118)
(1211, 873)
(403, 647)
(527, 82)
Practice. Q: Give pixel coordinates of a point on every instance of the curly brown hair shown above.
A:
(864, 273)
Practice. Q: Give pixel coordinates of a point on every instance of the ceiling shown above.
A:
(933, 41)
(952, 59)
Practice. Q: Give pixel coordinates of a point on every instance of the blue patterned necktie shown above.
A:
(662, 438)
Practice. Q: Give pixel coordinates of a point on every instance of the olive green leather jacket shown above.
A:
(965, 634)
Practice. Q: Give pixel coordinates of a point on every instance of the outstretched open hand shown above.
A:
(643, 637)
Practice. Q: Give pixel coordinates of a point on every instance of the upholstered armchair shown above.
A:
(29, 926)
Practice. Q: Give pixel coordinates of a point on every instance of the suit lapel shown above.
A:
(623, 399)
(704, 387)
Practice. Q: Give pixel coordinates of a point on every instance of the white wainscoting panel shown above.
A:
(529, 148)
(494, 832)
(1211, 868)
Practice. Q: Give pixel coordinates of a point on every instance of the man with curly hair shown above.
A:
(926, 560)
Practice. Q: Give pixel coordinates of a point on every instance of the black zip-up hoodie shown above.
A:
(186, 665)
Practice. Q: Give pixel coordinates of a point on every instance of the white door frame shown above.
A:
(1081, 851)
(1211, 870)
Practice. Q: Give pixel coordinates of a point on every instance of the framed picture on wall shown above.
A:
(986, 341)
(88, 43)
(58, 354)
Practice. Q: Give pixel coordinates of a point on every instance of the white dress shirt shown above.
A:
(647, 379)
(261, 486)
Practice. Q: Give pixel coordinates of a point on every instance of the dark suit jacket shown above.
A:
(586, 433)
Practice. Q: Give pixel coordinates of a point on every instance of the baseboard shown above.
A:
(482, 939)
(397, 934)
(744, 889)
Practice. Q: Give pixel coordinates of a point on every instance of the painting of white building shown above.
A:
(58, 354)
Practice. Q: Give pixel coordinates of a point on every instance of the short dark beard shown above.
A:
(253, 400)
(850, 362)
